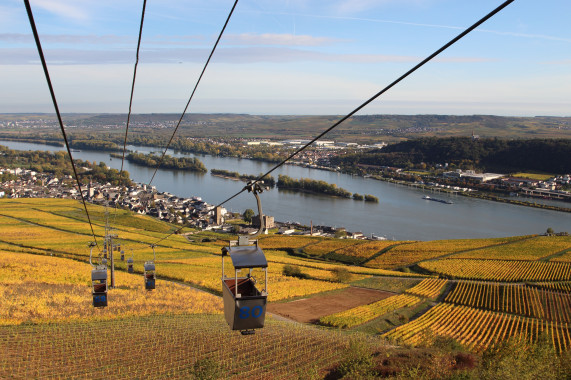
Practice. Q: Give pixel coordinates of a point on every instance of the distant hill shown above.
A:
(362, 128)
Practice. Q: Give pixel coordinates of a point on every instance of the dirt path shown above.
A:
(309, 310)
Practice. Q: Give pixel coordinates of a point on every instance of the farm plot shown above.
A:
(408, 254)
(165, 347)
(516, 299)
(479, 329)
(529, 249)
(42, 288)
(500, 270)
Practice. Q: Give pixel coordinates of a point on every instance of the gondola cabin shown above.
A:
(98, 279)
(244, 304)
(99, 284)
(130, 265)
(150, 276)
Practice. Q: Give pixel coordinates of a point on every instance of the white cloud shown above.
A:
(63, 8)
(356, 6)
(235, 55)
(71, 39)
(278, 39)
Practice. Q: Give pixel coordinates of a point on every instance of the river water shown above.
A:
(401, 213)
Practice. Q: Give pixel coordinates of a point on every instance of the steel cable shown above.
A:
(52, 93)
(422, 63)
(193, 91)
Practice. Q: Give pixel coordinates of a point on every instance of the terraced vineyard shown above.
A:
(175, 329)
(528, 249)
(164, 347)
(500, 270)
(515, 299)
(49, 289)
(480, 329)
(410, 253)
(429, 288)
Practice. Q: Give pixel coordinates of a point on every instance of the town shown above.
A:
(146, 200)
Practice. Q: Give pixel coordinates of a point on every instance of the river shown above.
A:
(401, 213)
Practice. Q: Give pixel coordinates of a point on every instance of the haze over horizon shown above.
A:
(296, 57)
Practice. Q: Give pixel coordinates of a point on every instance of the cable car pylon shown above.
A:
(244, 304)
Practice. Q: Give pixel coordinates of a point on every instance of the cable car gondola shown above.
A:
(130, 262)
(244, 304)
(98, 280)
(149, 274)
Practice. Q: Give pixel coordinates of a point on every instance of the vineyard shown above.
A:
(534, 248)
(164, 347)
(514, 299)
(479, 292)
(429, 288)
(410, 253)
(49, 289)
(500, 270)
(479, 329)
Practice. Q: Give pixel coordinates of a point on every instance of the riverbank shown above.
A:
(472, 194)
(400, 214)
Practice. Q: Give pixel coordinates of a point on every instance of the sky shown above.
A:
(288, 57)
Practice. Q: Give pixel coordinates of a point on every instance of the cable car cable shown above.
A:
(130, 104)
(412, 70)
(52, 93)
(399, 79)
(193, 91)
(133, 87)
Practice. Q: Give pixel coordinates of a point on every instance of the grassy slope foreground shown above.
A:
(460, 322)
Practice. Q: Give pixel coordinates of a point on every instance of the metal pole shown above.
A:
(112, 262)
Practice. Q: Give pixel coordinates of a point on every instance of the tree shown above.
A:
(550, 231)
(248, 214)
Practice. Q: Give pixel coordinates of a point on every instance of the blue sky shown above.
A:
(289, 56)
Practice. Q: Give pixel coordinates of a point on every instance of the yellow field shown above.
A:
(428, 288)
(205, 272)
(536, 176)
(329, 245)
(500, 270)
(287, 242)
(479, 329)
(56, 215)
(41, 288)
(528, 249)
(566, 257)
(362, 314)
(410, 253)
(50, 289)
(366, 249)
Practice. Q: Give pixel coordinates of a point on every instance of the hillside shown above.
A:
(362, 128)
(493, 155)
(456, 301)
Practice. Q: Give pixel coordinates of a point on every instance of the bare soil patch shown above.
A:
(309, 310)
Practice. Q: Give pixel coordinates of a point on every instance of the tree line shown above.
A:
(310, 185)
(58, 164)
(268, 180)
(543, 155)
(168, 162)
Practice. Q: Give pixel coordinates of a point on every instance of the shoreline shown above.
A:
(478, 195)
